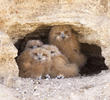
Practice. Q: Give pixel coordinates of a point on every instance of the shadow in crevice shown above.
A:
(95, 61)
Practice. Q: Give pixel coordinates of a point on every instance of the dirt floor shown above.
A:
(96, 87)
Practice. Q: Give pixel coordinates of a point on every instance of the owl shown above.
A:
(66, 41)
(60, 64)
(33, 44)
(54, 51)
(34, 63)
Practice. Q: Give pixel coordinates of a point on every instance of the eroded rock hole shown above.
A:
(95, 62)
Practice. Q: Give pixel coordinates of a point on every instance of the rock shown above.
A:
(90, 18)
(8, 66)
(7, 94)
(77, 88)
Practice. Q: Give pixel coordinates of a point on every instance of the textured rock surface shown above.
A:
(8, 66)
(89, 17)
(77, 88)
(7, 93)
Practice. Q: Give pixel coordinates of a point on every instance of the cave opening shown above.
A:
(95, 61)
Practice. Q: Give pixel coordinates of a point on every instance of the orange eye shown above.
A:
(31, 47)
(58, 33)
(38, 46)
(45, 55)
(66, 31)
(52, 52)
(76, 50)
(35, 54)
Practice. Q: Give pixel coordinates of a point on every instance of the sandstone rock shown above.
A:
(8, 66)
(90, 18)
(7, 94)
(77, 88)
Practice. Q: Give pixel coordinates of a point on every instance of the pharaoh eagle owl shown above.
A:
(63, 37)
(34, 63)
(33, 44)
(60, 64)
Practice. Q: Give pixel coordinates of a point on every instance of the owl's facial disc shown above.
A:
(40, 57)
(31, 44)
(62, 36)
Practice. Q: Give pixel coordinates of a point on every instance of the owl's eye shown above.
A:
(66, 31)
(38, 46)
(76, 50)
(35, 54)
(58, 33)
(52, 52)
(45, 55)
(31, 47)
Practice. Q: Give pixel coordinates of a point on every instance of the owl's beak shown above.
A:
(62, 35)
(39, 57)
(34, 47)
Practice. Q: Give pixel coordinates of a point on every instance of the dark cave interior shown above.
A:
(95, 61)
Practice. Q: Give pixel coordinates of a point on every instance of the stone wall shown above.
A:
(90, 18)
(8, 66)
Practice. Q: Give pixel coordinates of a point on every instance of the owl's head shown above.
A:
(40, 55)
(33, 44)
(54, 51)
(60, 33)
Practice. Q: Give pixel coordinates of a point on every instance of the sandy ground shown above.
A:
(95, 87)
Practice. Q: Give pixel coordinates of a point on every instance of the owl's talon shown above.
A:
(60, 77)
